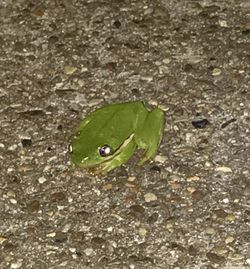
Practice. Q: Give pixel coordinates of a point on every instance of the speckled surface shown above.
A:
(189, 207)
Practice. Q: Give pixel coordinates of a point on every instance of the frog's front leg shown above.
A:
(125, 153)
(149, 135)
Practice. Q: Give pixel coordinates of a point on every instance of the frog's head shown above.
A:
(87, 155)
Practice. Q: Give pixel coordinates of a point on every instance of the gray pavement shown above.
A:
(187, 208)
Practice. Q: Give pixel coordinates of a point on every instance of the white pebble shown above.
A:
(41, 180)
(88, 251)
(13, 201)
(149, 197)
(224, 169)
(160, 158)
(17, 264)
(51, 234)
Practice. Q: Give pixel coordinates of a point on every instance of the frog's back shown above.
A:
(111, 124)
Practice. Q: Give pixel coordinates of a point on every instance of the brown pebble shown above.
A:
(57, 196)
(98, 241)
(33, 206)
(60, 237)
(220, 213)
(197, 195)
(107, 187)
(215, 258)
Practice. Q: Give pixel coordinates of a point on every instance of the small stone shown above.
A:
(215, 258)
(50, 213)
(146, 78)
(175, 186)
(230, 217)
(223, 23)
(13, 201)
(175, 178)
(225, 200)
(236, 256)
(197, 195)
(192, 250)
(60, 237)
(12, 148)
(220, 213)
(107, 187)
(160, 158)
(17, 264)
(220, 250)
(191, 189)
(163, 69)
(53, 234)
(57, 196)
(110, 229)
(216, 72)
(150, 197)
(153, 218)
(8, 258)
(131, 179)
(129, 185)
(11, 194)
(26, 142)
(98, 241)
(210, 230)
(229, 239)
(117, 24)
(72, 250)
(170, 227)
(38, 12)
(193, 178)
(2, 239)
(94, 102)
(155, 168)
(247, 191)
(166, 60)
(137, 211)
(142, 232)
(33, 206)
(88, 251)
(248, 261)
(225, 124)
(69, 70)
(41, 180)
(200, 123)
(223, 169)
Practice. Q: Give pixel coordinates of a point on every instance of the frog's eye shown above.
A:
(105, 150)
(70, 148)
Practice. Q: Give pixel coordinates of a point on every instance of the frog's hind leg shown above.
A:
(149, 136)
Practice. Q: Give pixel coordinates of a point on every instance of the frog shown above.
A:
(108, 137)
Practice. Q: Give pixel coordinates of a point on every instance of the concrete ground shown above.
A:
(189, 207)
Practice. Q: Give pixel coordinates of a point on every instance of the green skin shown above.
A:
(122, 127)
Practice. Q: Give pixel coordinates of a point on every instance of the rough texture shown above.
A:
(189, 208)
